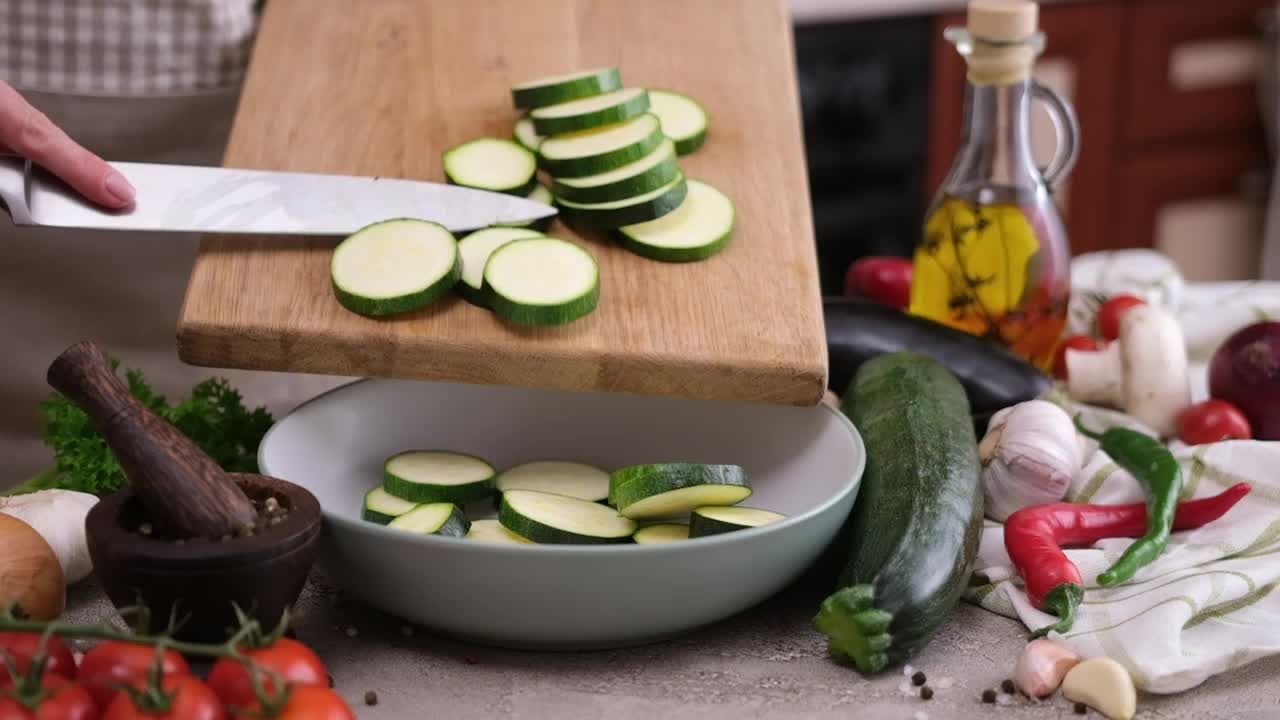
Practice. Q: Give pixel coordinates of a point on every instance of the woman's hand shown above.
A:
(26, 131)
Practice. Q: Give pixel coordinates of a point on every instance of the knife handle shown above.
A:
(15, 175)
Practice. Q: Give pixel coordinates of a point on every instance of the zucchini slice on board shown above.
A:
(641, 208)
(699, 228)
(643, 492)
(915, 530)
(664, 533)
(683, 119)
(440, 518)
(433, 476)
(717, 519)
(591, 152)
(540, 194)
(382, 507)
(475, 250)
(495, 164)
(563, 88)
(494, 532)
(577, 480)
(560, 519)
(649, 173)
(541, 281)
(526, 135)
(394, 266)
(590, 112)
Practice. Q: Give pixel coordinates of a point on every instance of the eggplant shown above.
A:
(993, 377)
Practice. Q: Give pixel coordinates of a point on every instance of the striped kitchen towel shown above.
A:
(1206, 605)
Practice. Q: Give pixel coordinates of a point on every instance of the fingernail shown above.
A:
(119, 188)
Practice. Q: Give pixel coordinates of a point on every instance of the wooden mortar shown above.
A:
(181, 540)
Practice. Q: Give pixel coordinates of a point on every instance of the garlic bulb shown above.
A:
(1029, 456)
(58, 515)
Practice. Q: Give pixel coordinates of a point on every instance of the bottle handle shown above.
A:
(1068, 130)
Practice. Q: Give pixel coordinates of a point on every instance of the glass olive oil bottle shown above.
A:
(994, 257)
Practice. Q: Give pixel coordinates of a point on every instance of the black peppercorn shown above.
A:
(926, 693)
(1081, 708)
(371, 698)
(1008, 687)
(989, 696)
(918, 679)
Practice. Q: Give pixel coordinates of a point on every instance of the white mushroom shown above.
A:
(1143, 373)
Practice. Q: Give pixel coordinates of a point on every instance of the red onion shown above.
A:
(1245, 371)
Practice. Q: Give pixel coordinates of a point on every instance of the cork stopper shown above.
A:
(1002, 21)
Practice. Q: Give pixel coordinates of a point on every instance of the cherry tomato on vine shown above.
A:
(22, 646)
(115, 662)
(294, 662)
(309, 702)
(187, 699)
(65, 701)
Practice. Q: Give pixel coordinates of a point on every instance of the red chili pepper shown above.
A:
(1034, 537)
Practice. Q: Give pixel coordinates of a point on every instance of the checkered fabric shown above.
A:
(125, 47)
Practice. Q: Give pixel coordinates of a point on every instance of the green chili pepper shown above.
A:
(1151, 463)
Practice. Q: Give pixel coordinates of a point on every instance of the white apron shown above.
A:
(122, 290)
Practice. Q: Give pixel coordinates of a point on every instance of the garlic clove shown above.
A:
(1104, 685)
(1042, 666)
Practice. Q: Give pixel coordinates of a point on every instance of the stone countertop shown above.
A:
(764, 663)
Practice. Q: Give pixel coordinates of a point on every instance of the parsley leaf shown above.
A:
(213, 416)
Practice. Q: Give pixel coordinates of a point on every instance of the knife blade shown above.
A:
(191, 198)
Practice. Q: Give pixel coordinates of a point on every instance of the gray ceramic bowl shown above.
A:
(804, 462)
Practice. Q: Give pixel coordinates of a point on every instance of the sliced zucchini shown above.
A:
(699, 228)
(590, 112)
(475, 250)
(585, 482)
(495, 164)
(540, 194)
(549, 518)
(433, 476)
(394, 266)
(664, 533)
(541, 281)
(494, 532)
(641, 208)
(649, 173)
(643, 492)
(382, 507)
(566, 87)
(526, 135)
(683, 119)
(718, 519)
(439, 518)
(599, 150)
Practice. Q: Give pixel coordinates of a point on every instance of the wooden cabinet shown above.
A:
(1171, 139)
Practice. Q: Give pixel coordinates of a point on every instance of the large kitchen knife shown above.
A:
(228, 200)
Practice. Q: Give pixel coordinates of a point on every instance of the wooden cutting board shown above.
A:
(382, 88)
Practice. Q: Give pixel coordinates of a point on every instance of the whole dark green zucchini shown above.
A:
(915, 528)
(993, 377)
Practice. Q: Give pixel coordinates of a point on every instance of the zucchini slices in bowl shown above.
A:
(561, 502)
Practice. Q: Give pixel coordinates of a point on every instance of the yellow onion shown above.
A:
(30, 573)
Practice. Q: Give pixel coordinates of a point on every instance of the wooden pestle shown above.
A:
(184, 490)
